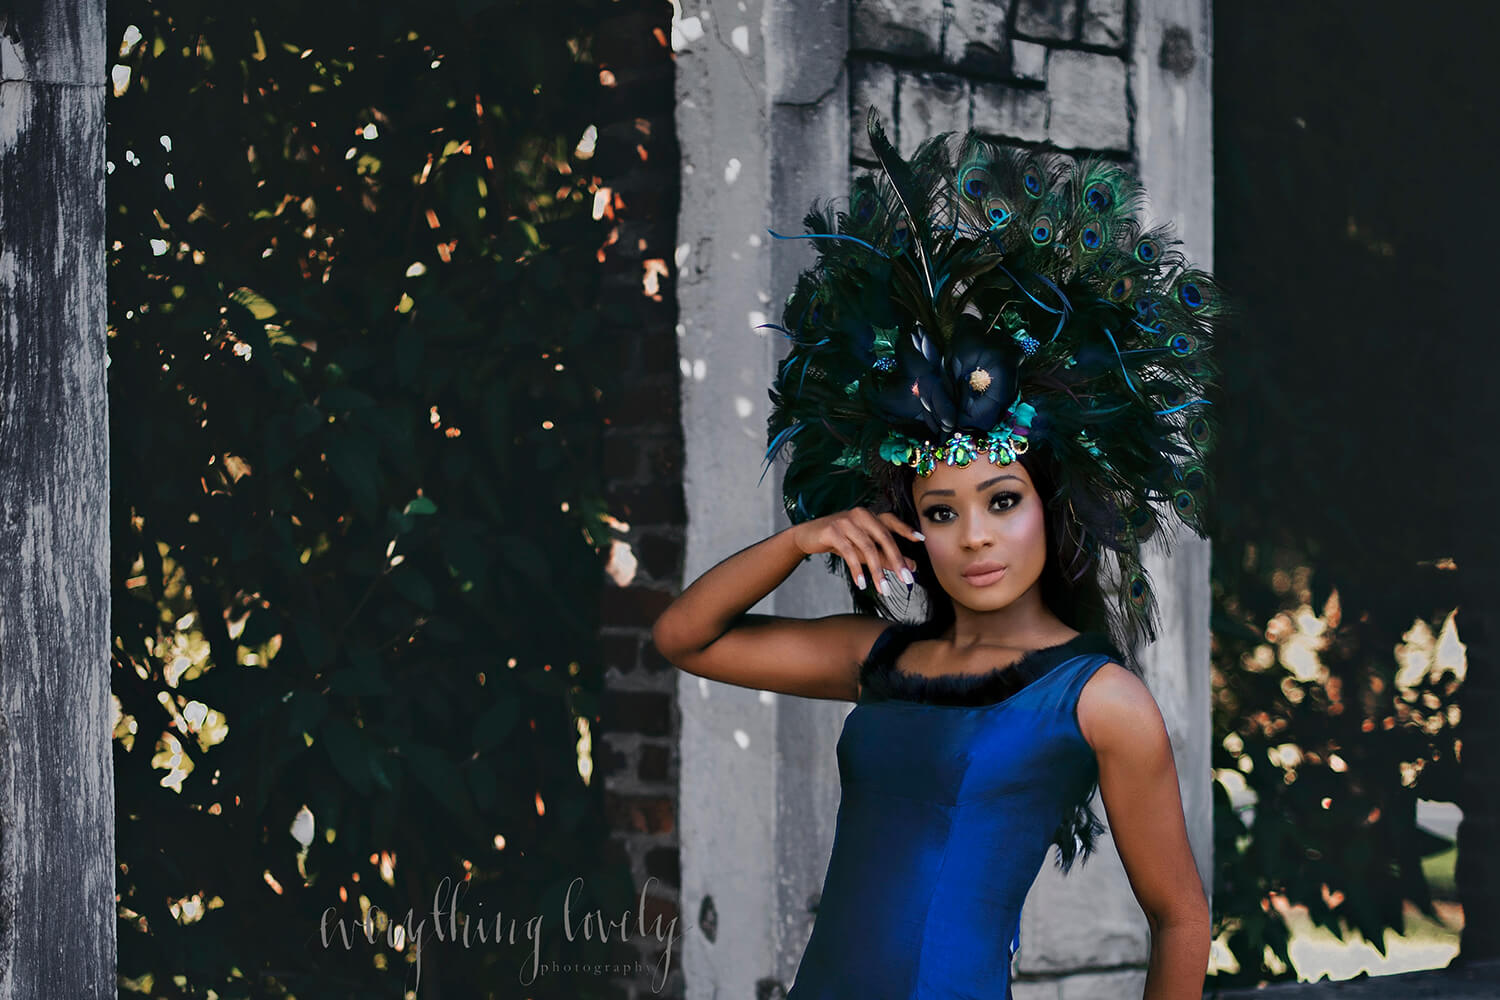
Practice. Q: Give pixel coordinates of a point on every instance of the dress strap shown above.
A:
(1091, 664)
(882, 642)
(875, 660)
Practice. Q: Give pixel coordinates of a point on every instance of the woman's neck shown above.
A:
(1025, 623)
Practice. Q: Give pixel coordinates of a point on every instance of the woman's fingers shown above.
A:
(869, 551)
(865, 540)
(851, 556)
(901, 527)
(898, 564)
(881, 545)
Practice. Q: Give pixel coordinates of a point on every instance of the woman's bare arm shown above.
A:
(707, 631)
(1138, 783)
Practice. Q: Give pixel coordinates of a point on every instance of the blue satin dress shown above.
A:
(953, 788)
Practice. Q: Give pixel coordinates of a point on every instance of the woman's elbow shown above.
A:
(1192, 913)
(668, 641)
(661, 637)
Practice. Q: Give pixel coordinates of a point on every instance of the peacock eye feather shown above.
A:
(1098, 197)
(1183, 344)
(1138, 590)
(999, 213)
(1092, 236)
(1041, 231)
(977, 182)
(1032, 179)
(1196, 292)
(1148, 250)
(1199, 430)
(1184, 504)
(1120, 290)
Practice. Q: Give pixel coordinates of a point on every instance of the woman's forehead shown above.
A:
(981, 474)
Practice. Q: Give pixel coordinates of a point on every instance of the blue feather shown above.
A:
(776, 443)
(1122, 360)
(1183, 406)
(829, 236)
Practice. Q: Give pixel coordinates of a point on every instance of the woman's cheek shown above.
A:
(1033, 541)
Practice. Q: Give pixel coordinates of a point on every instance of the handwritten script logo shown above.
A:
(586, 925)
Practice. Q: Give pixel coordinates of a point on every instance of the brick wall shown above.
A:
(1035, 72)
(635, 739)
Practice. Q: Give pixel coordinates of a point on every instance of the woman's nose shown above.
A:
(975, 534)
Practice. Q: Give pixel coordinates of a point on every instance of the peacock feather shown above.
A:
(974, 281)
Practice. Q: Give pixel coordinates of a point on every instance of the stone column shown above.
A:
(762, 122)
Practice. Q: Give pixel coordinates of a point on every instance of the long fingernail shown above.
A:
(880, 585)
(906, 576)
(921, 537)
(859, 581)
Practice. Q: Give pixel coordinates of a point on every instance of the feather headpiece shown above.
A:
(973, 311)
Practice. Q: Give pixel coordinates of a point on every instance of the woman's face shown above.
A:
(985, 528)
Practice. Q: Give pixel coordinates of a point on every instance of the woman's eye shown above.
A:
(942, 514)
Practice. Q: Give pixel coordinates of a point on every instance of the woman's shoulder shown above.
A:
(1115, 707)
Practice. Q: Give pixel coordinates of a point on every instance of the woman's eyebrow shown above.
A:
(982, 486)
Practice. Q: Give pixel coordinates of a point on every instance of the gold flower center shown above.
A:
(979, 380)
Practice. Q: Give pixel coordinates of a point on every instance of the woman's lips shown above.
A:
(985, 579)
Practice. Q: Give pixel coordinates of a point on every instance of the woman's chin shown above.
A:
(989, 598)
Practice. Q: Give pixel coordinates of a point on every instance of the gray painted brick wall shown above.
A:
(1036, 72)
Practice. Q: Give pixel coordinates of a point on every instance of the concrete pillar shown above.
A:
(763, 126)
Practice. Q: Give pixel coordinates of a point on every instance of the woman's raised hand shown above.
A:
(864, 539)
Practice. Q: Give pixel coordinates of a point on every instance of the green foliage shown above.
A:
(1333, 744)
(355, 482)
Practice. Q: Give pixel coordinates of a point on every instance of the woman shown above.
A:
(995, 373)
